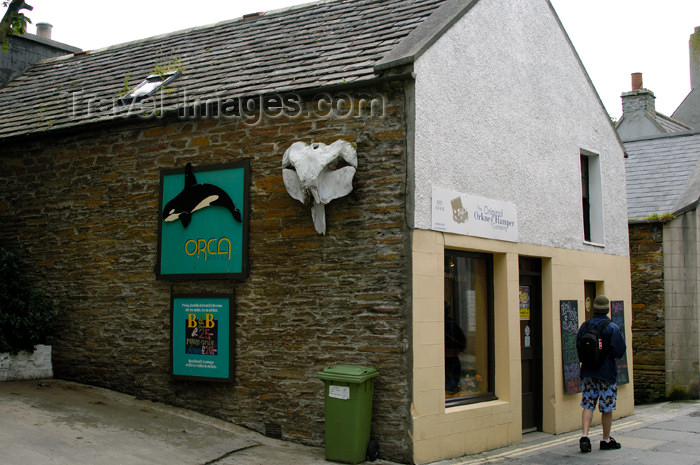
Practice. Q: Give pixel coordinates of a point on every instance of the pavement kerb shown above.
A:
(644, 416)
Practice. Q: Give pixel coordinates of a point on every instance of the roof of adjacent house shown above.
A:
(669, 124)
(44, 41)
(661, 122)
(663, 175)
(331, 42)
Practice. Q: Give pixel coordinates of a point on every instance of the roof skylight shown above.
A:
(149, 86)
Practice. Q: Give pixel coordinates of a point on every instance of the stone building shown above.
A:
(488, 196)
(663, 189)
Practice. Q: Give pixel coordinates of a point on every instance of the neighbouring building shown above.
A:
(688, 111)
(28, 49)
(663, 189)
(639, 116)
(487, 209)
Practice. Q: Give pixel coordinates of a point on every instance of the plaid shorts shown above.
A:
(602, 392)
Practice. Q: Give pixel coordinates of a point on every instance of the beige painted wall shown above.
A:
(440, 432)
(682, 303)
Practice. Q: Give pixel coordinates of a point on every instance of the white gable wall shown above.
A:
(503, 110)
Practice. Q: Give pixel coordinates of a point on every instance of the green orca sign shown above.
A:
(203, 222)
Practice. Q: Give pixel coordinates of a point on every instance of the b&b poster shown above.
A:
(201, 337)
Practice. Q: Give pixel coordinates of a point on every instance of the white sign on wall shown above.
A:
(471, 215)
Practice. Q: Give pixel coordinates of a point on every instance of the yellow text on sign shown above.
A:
(193, 321)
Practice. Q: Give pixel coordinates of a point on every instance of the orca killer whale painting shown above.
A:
(195, 197)
(203, 221)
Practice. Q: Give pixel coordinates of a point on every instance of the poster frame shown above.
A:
(617, 315)
(571, 368)
(177, 324)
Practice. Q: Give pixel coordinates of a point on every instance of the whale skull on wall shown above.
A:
(319, 173)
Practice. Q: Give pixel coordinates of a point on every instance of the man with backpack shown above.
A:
(599, 342)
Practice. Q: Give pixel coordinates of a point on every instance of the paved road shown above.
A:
(59, 422)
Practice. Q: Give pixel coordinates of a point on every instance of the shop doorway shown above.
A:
(531, 341)
(590, 293)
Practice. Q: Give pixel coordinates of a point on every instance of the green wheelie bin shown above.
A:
(349, 390)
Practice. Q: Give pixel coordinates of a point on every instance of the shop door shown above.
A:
(531, 342)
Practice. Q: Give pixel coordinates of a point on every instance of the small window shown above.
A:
(586, 199)
(469, 366)
(592, 198)
(149, 86)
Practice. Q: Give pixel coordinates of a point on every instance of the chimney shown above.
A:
(639, 99)
(637, 83)
(695, 59)
(43, 30)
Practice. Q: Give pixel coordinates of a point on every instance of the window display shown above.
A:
(468, 327)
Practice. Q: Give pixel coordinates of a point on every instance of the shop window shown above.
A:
(592, 198)
(468, 327)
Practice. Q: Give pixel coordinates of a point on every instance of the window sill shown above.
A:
(494, 403)
(449, 403)
(594, 244)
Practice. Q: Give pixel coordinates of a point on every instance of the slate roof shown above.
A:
(305, 47)
(671, 125)
(663, 174)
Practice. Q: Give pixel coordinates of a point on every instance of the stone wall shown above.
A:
(648, 326)
(84, 209)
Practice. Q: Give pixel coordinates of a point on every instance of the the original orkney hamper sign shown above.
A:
(471, 215)
(203, 227)
(201, 337)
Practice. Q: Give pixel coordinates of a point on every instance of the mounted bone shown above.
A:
(319, 173)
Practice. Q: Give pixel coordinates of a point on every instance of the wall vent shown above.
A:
(273, 430)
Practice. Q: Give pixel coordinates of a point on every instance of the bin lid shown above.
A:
(348, 373)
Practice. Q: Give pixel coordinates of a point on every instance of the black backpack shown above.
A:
(590, 347)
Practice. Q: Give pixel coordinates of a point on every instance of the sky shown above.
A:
(614, 38)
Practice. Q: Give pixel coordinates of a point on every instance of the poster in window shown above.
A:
(201, 345)
(524, 302)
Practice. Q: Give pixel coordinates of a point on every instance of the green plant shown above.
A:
(174, 64)
(13, 23)
(48, 122)
(27, 316)
(126, 88)
(664, 218)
